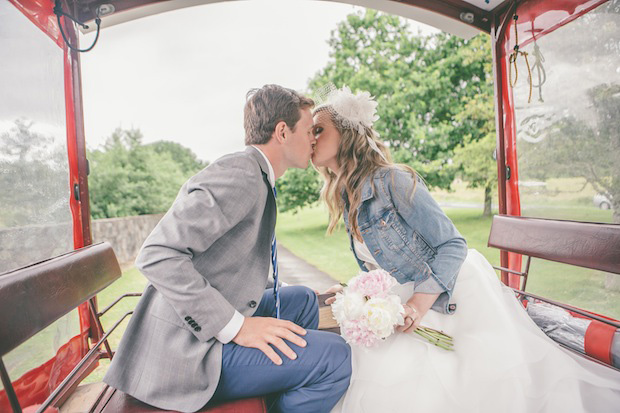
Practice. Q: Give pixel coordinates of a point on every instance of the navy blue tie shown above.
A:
(274, 263)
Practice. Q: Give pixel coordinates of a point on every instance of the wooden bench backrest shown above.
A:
(584, 244)
(33, 297)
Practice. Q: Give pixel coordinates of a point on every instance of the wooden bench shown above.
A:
(583, 244)
(34, 297)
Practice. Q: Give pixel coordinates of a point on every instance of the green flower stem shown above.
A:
(437, 338)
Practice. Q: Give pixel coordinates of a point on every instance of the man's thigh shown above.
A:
(297, 304)
(247, 372)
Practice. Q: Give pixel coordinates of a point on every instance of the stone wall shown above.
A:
(126, 234)
(21, 246)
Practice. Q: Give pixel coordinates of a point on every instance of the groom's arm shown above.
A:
(207, 207)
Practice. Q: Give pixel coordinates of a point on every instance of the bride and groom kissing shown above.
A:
(216, 323)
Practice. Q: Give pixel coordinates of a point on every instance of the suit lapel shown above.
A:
(258, 157)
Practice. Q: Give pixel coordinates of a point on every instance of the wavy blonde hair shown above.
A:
(357, 160)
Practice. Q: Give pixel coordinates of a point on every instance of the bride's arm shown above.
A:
(432, 230)
(415, 309)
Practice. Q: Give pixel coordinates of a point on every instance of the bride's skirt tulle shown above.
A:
(502, 361)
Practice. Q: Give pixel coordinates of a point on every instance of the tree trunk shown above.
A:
(612, 282)
(487, 200)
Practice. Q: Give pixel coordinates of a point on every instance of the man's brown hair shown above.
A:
(267, 106)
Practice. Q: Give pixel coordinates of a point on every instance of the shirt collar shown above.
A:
(272, 175)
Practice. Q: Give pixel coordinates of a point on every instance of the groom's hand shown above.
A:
(263, 332)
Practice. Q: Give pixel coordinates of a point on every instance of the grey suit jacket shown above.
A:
(208, 256)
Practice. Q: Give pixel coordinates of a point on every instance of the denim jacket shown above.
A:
(409, 236)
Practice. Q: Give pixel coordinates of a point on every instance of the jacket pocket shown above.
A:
(425, 250)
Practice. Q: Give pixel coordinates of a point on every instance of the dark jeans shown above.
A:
(314, 382)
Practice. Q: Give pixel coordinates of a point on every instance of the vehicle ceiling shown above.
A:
(446, 15)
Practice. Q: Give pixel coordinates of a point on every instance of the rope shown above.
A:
(513, 62)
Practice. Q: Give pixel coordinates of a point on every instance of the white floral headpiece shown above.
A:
(355, 111)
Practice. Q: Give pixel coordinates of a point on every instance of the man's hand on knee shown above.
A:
(262, 332)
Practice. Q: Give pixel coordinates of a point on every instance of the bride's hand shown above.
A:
(333, 289)
(415, 309)
(413, 318)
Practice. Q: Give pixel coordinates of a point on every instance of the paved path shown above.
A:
(294, 270)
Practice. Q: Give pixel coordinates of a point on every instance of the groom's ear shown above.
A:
(279, 131)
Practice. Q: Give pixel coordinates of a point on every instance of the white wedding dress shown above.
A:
(502, 361)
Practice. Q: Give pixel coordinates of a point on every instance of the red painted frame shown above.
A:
(34, 386)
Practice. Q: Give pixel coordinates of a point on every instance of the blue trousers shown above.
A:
(314, 382)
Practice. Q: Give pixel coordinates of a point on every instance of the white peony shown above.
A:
(348, 306)
(382, 314)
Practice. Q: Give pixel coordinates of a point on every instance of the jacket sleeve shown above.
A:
(207, 207)
(422, 213)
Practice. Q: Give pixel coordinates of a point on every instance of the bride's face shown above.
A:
(327, 141)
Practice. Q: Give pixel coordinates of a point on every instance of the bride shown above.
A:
(502, 361)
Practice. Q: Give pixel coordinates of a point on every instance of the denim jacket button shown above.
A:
(382, 223)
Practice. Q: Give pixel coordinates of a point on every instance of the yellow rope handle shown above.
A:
(512, 61)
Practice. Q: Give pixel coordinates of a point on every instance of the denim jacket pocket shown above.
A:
(424, 250)
(390, 231)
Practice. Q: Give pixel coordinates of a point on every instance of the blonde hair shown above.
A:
(357, 161)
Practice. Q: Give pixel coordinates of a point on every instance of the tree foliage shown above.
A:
(298, 188)
(34, 177)
(129, 178)
(421, 84)
(424, 84)
(589, 150)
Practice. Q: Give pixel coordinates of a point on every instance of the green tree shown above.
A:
(129, 178)
(421, 83)
(474, 158)
(591, 150)
(184, 157)
(298, 188)
(34, 178)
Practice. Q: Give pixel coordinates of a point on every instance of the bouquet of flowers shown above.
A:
(368, 312)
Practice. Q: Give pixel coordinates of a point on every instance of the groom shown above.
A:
(205, 327)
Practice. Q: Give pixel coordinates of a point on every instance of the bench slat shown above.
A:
(584, 244)
(35, 296)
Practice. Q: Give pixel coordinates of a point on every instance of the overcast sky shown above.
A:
(183, 75)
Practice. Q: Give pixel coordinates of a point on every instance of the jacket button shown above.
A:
(252, 304)
(197, 328)
(382, 222)
(188, 318)
(193, 323)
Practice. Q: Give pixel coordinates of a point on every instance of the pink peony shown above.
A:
(357, 333)
(375, 283)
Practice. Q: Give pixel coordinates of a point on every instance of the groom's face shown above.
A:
(300, 141)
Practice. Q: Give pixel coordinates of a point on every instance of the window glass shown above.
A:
(567, 136)
(568, 145)
(35, 219)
